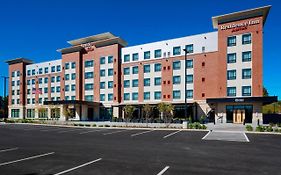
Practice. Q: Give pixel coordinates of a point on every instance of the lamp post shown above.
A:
(5, 95)
(185, 104)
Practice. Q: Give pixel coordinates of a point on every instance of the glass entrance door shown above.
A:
(238, 116)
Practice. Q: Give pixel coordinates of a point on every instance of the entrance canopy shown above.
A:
(71, 102)
(263, 100)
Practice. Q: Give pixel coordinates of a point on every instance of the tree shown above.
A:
(68, 113)
(147, 110)
(166, 110)
(129, 110)
(265, 92)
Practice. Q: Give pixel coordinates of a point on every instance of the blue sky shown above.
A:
(36, 29)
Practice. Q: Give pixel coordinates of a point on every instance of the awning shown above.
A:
(264, 100)
(71, 102)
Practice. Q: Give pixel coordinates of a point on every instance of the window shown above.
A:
(73, 76)
(110, 97)
(246, 90)
(189, 94)
(189, 79)
(102, 97)
(53, 69)
(89, 97)
(135, 70)
(46, 80)
(13, 101)
(231, 58)
(15, 113)
(110, 59)
(176, 65)
(189, 48)
(157, 53)
(126, 58)
(102, 73)
(189, 64)
(102, 85)
(231, 74)
(246, 56)
(73, 97)
(66, 88)
(52, 79)
(18, 92)
(33, 81)
(126, 96)
(33, 71)
(157, 95)
(66, 65)
(66, 76)
(246, 73)
(40, 70)
(157, 81)
(231, 91)
(89, 63)
(177, 94)
(157, 67)
(146, 55)
(231, 41)
(176, 79)
(28, 73)
(52, 89)
(126, 83)
(89, 75)
(135, 83)
(73, 65)
(13, 83)
(135, 96)
(110, 84)
(146, 82)
(66, 98)
(146, 95)
(110, 72)
(177, 50)
(146, 68)
(45, 90)
(13, 74)
(246, 39)
(28, 101)
(102, 60)
(13, 92)
(40, 100)
(28, 82)
(46, 70)
(73, 87)
(89, 86)
(58, 88)
(40, 80)
(135, 57)
(126, 70)
(30, 113)
(58, 79)
(18, 82)
(33, 100)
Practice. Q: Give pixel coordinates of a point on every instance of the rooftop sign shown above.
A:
(240, 26)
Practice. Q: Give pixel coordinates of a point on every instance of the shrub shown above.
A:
(106, 126)
(80, 124)
(75, 124)
(260, 129)
(276, 130)
(279, 124)
(249, 128)
(87, 125)
(203, 127)
(100, 125)
(94, 125)
(269, 129)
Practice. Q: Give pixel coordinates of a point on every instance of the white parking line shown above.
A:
(68, 130)
(89, 131)
(206, 135)
(246, 137)
(80, 166)
(133, 135)
(9, 149)
(114, 132)
(164, 170)
(27, 158)
(173, 133)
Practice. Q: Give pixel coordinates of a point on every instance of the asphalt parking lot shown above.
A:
(34, 150)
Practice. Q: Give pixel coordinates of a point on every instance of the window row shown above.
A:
(246, 39)
(246, 57)
(246, 91)
(16, 74)
(246, 74)
(102, 97)
(157, 53)
(46, 70)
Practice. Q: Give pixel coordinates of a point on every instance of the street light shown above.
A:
(185, 104)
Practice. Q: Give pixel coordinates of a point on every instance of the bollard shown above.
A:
(184, 124)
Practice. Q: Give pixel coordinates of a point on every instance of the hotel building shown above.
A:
(98, 75)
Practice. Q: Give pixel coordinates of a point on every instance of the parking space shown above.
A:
(28, 149)
(226, 136)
